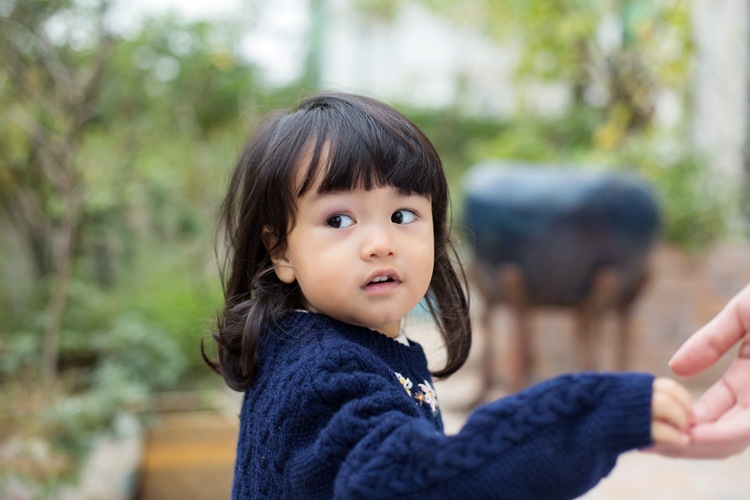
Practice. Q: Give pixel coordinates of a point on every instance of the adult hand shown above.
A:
(721, 417)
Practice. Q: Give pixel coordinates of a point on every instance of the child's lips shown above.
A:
(381, 287)
(382, 281)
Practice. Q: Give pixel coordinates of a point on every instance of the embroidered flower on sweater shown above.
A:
(427, 396)
(405, 382)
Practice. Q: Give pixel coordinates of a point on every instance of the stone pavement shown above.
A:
(190, 455)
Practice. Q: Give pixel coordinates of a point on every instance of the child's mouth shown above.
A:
(381, 283)
(381, 279)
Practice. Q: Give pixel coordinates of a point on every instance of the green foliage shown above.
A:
(454, 136)
(138, 353)
(528, 138)
(18, 351)
(108, 372)
(149, 154)
(174, 105)
(615, 56)
(694, 203)
(386, 10)
(695, 211)
(176, 78)
(178, 288)
(613, 81)
(694, 214)
(125, 349)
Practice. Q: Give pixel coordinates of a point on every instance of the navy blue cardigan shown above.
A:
(339, 411)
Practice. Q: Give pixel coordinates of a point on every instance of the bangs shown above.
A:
(366, 146)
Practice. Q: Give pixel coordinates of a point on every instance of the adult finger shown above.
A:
(715, 338)
(733, 427)
(718, 440)
(721, 439)
(697, 450)
(716, 401)
(744, 352)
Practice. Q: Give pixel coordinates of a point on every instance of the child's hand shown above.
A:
(671, 412)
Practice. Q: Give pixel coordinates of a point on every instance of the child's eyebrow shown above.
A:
(399, 193)
(331, 192)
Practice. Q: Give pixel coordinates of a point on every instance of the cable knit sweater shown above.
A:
(338, 411)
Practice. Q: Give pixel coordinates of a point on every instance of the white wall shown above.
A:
(720, 125)
(423, 58)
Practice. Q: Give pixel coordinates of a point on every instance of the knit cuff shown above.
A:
(628, 400)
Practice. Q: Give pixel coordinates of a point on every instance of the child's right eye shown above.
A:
(339, 221)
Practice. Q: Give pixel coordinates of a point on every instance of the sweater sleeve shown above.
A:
(554, 440)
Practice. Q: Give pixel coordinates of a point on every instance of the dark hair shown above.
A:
(351, 141)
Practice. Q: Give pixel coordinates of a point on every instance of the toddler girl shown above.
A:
(336, 224)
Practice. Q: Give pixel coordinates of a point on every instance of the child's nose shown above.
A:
(378, 243)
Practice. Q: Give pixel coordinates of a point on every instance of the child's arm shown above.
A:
(554, 440)
(671, 410)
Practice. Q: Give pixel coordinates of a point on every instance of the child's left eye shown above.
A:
(403, 216)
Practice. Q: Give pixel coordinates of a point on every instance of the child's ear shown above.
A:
(281, 265)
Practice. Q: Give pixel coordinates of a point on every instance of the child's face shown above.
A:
(361, 257)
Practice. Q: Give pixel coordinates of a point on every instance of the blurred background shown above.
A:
(120, 122)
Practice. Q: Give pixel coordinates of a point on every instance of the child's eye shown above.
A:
(339, 221)
(403, 216)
